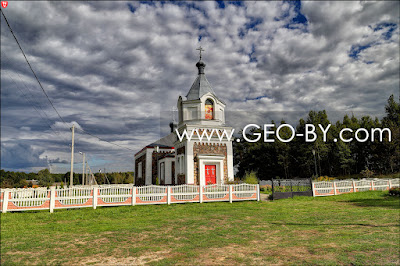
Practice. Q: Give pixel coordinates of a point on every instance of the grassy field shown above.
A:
(360, 228)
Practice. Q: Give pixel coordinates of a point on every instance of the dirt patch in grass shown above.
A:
(260, 252)
(18, 256)
(139, 260)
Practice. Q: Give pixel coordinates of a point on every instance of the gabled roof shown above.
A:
(167, 141)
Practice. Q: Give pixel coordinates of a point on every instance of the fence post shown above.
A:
(95, 191)
(272, 188)
(168, 195)
(52, 198)
(312, 188)
(390, 184)
(334, 188)
(354, 186)
(201, 193)
(372, 185)
(6, 195)
(230, 193)
(133, 196)
(258, 192)
(291, 187)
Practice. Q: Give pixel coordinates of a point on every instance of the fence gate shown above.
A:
(288, 188)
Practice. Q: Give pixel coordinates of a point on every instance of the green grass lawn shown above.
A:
(359, 228)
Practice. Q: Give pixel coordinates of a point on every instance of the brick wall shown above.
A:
(173, 173)
(205, 148)
(142, 159)
(181, 179)
(154, 173)
(180, 150)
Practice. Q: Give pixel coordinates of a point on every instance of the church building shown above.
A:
(172, 160)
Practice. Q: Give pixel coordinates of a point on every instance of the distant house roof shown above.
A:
(166, 142)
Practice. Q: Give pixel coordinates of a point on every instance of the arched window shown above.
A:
(209, 109)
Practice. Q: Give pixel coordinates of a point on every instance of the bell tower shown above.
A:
(201, 110)
(201, 105)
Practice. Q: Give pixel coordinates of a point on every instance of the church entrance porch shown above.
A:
(211, 169)
(211, 174)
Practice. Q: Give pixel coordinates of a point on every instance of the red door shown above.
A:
(210, 174)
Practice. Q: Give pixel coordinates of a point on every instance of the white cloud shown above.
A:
(112, 71)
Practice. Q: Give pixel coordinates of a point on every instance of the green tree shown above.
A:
(44, 177)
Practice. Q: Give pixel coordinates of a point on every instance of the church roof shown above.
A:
(200, 87)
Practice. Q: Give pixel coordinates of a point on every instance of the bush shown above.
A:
(325, 178)
(367, 173)
(250, 178)
(266, 188)
(394, 191)
(234, 182)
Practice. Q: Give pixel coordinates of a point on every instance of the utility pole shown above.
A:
(83, 168)
(86, 173)
(71, 182)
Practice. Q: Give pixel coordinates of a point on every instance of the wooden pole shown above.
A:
(83, 170)
(71, 181)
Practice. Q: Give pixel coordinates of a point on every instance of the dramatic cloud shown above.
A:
(112, 69)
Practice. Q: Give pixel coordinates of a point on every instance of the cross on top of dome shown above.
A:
(200, 49)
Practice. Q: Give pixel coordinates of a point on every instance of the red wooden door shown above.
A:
(210, 174)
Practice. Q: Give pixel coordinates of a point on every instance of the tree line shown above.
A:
(301, 159)
(10, 179)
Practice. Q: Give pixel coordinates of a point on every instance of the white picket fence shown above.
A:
(23, 199)
(330, 188)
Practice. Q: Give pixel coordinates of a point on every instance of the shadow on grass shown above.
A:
(336, 224)
(388, 202)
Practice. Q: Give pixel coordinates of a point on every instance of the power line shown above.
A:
(48, 121)
(27, 88)
(83, 131)
(40, 84)
(27, 98)
(26, 59)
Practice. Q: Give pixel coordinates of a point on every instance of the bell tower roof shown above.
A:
(201, 85)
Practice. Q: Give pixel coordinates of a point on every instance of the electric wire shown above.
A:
(48, 121)
(29, 101)
(26, 59)
(48, 98)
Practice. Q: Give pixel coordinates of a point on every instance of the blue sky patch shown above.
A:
(256, 98)
(131, 8)
(252, 58)
(150, 3)
(299, 18)
(389, 27)
(355, 50)
(253, 23)
(221, 4)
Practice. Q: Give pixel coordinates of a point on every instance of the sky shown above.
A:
(114, 69)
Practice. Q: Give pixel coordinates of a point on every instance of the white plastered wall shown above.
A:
(168, 168)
